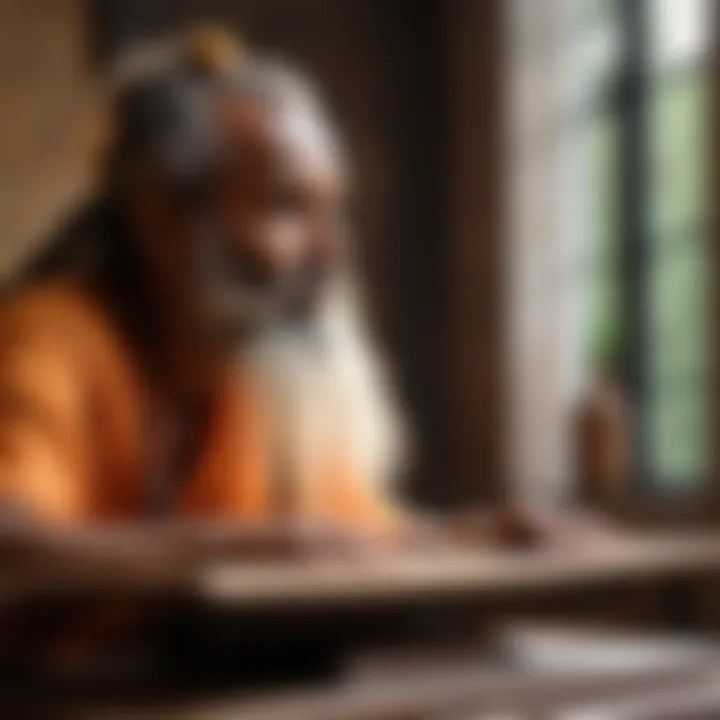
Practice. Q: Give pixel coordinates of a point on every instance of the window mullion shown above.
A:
(634, 191)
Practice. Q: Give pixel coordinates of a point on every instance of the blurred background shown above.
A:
(534, 210)
(613, 260)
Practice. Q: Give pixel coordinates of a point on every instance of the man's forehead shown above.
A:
(294, 134)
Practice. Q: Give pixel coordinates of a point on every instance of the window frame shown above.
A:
(629, 97)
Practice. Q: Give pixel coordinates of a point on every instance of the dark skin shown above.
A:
(281, 193)
(277, 201)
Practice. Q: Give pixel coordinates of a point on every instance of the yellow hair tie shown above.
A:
(214, 49)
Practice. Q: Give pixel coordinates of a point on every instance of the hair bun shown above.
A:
(214, 49)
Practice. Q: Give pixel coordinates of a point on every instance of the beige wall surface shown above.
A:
(44, 112)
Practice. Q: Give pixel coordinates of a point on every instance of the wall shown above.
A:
(45, 100)
(545, 283)
(476, 246)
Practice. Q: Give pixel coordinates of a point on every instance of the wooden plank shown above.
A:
(472, 574)
(376, 581)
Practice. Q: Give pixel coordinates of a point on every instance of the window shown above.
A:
(642, 116)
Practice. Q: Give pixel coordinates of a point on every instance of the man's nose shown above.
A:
(326, 244)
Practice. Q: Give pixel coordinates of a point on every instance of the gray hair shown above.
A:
(162, 97)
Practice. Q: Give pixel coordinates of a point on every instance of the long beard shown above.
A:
(328, 389)
(239, 306)
(309, 351)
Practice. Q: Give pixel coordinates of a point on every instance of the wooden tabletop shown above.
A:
(484, 573)
(477, 574)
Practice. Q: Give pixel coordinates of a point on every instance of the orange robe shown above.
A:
(72, 408)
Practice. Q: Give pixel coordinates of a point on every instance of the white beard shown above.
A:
(329, 393)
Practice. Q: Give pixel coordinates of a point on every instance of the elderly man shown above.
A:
(188, 349)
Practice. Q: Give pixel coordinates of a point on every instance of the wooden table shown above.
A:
(441, 689)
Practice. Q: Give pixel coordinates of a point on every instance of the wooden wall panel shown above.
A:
(45, 101)
(477, 254)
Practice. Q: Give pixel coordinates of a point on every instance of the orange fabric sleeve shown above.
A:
(43, 459)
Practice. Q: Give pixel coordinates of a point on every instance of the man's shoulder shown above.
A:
(60, 318)
(51, 308)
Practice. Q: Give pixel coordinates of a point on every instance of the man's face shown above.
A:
(276, 208)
